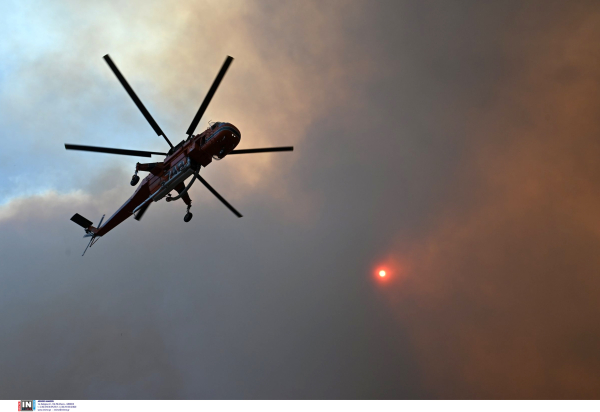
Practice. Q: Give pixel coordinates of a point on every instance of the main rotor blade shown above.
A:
(140, 213)
(136, 99)
(111, 150)
(264, 150)
(209, 96)
(214, 192)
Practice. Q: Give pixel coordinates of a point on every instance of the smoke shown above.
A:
(454, 142)
(501, 294)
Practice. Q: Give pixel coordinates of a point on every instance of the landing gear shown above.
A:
(134, 179)
(188, 215)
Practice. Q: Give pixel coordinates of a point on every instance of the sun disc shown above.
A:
(382, 273)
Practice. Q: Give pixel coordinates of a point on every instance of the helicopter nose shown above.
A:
(229, 142)
(233, 138)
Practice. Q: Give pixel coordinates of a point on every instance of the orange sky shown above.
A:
(505, 282)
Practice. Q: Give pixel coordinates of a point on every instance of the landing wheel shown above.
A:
(134, 180)
(187, 217)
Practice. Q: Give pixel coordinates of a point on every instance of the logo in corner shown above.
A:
(27, 405)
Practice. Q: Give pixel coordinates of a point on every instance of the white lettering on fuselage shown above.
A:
(178, 167)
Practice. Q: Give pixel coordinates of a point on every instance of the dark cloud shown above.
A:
(173, 315)
(505, 281)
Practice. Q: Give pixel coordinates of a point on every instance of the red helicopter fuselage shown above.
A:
(182, 161)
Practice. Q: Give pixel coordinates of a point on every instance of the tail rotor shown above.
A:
(86, 224)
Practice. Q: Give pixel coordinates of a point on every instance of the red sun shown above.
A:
(382, 273)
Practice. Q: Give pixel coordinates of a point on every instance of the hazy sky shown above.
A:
(454, 143)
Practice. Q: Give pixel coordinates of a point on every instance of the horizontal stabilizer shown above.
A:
(81, 221)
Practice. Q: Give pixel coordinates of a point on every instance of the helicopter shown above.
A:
(181, 161)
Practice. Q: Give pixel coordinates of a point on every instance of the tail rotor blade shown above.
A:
(209, 96)
(214, 192)
(135, 98)
(89, 244)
